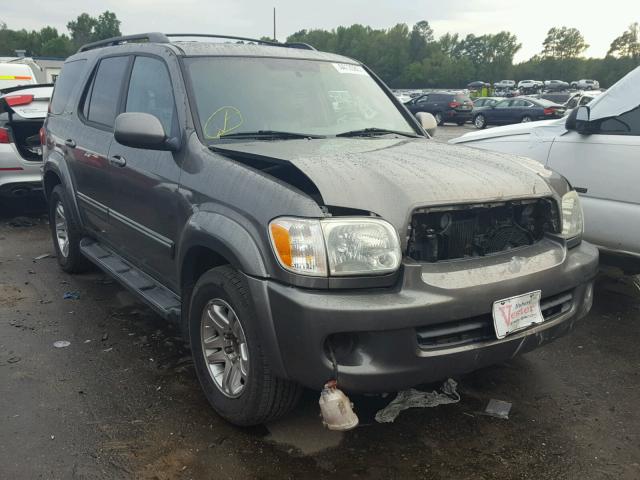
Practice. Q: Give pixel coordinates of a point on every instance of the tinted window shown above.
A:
(440, 97)
(105, 91)
(150, 91)
(69, 78)
(424, 99)
(625, 124)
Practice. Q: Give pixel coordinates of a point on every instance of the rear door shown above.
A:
(143, 211)
(605, 166)
(87, 145)
(499, 112)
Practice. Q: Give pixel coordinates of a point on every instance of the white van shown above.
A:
(15, 75)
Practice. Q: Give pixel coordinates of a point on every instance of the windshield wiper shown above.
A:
(270, 135)
(372, 132)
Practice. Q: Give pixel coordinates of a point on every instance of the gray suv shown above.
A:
(298, 222)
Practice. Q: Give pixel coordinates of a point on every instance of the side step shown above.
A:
(161, 299)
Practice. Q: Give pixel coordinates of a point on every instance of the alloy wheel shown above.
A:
(225, 348)
(62, 230)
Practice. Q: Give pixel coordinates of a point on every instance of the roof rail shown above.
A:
(272, 43)
(155, 37)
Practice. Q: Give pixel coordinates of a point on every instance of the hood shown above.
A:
(543, 128)
(391, 177)
(623, 96)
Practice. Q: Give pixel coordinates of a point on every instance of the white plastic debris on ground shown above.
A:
(413, 398)
(498, 409)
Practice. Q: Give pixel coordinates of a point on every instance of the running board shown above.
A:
(158, 297)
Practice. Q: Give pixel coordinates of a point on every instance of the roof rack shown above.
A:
(152, 37)
(157, 37)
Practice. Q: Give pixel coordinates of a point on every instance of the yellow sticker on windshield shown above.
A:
(222, 121)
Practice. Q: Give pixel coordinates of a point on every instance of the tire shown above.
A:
(69, 256)
(439, 119)
(526, 119)
(253, 395)
(480, 122)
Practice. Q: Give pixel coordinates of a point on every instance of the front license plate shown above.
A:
(516, 313)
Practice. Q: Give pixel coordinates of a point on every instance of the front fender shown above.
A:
(227, 238)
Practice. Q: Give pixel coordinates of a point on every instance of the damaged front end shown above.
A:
(477, 230)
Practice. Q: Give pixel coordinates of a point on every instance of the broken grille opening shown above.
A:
(462, 231)
(480, 328)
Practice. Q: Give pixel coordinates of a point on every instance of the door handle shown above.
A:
(118, 161)
(70, 143)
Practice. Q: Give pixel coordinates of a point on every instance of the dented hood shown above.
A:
(391, 177)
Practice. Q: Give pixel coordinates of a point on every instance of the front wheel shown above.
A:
(66, 233)
(480, 122)
(231, 365)
(527, 119)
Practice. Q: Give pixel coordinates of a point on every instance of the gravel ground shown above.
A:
(122, 400)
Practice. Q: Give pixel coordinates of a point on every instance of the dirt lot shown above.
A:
(122, 400)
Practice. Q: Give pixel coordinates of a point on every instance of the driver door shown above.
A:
(604, 167)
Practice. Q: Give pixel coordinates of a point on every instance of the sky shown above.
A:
(600, 22)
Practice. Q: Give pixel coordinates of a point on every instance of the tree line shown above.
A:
(403, 57)
(414, 58)
(48, 42)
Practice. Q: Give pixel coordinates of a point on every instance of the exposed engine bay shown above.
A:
(462, 231)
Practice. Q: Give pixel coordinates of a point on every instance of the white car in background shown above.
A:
(597, 147)
(22, 113)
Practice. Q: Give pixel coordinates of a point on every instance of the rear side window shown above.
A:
(102, 100)
(150, 91)
(66, 85)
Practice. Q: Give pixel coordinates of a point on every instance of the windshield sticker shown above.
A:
(348, 68)
(222, 121)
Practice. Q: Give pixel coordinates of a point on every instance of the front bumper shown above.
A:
(377, 331)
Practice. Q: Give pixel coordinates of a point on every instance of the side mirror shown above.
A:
(428, 122)
(583, 114)
(141, 130)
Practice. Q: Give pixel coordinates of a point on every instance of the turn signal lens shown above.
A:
(299, 245)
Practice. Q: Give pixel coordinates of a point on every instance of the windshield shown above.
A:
(237, 94)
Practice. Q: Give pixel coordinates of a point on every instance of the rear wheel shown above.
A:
(66, 233)
(439, 119)
(526, 119)
(480, 121)
(231, 365)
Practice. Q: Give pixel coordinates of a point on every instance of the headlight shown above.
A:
(572, 222)
(347, 246)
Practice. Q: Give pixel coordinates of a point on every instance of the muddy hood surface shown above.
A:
(391, 177)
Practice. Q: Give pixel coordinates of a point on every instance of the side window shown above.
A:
(150, 91)
(626, 124)
(65, 85)
(423, 99)
(518, 103)
(503, 104)
(103, 98)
